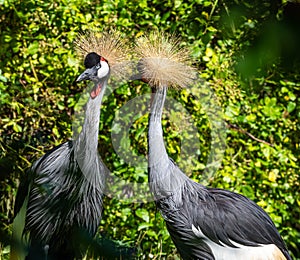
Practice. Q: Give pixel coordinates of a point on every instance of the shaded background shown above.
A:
(247, 50)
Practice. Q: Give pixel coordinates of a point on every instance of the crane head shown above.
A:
(97, 69)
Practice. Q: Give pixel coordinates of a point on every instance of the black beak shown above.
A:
(88, 74)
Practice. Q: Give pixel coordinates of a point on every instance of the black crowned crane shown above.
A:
(61, 200)
(204, 223)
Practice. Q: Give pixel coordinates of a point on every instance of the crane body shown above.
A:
(206, 223)
(63, 190)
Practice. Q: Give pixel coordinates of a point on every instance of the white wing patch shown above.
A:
(225, 252)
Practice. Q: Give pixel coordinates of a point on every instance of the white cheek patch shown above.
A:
(104, 70)
(241, 252)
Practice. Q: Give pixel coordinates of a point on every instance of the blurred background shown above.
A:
(246, 50)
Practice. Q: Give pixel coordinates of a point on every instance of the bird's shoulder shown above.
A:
(54, 158)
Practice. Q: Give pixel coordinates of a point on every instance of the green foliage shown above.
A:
(247, 52)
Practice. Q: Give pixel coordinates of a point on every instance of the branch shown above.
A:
(237, 128)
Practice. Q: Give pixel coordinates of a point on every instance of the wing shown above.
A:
(228, 218)
(196, 215)
(64, 195)
(19, 242)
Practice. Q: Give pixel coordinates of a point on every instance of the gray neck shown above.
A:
(165, 178)
(156, 147)
(86, 145)
(88, 137)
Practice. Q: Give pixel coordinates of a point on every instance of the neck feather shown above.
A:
(86, 144)
(165, 178)
(156, 147)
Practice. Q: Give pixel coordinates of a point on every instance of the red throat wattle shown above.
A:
(95, 91)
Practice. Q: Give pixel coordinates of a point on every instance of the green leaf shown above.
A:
(2, 78)
(144, 225)
(291, 107)
(17, 128)
(55, 131)
(143, 214)
(33, 48)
